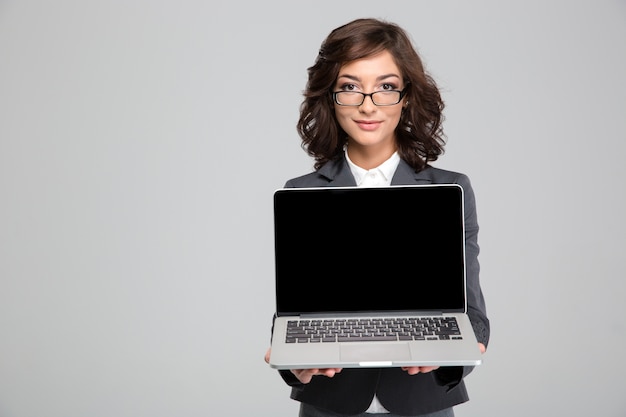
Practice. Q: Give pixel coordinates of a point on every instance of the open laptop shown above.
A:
(370, 277)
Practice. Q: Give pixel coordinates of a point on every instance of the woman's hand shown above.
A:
(305, 375)
(414, 370)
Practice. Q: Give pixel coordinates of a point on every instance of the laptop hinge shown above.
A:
(371, 313)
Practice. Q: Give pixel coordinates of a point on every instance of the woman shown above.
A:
(372, 117)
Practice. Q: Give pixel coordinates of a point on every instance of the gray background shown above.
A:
(141, 141)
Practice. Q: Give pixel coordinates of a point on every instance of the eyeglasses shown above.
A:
(379, 98)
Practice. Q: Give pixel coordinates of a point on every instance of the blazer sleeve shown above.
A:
(476, 307)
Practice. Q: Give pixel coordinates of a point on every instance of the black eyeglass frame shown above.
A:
(371, 96)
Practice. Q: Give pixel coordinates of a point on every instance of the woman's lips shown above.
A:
(368, 125)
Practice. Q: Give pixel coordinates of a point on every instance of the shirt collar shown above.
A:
(386, 169)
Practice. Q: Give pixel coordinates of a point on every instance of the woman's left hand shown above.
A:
(414, 370)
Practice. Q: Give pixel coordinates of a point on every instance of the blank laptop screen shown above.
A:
(369, 249)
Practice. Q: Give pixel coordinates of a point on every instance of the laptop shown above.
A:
(370, 277)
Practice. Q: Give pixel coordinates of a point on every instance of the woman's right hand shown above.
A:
(305, 375)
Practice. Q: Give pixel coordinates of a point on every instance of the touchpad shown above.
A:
(375, 352)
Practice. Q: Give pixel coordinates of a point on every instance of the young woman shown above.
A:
(372, 116)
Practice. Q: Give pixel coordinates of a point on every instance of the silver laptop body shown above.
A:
(371, 277)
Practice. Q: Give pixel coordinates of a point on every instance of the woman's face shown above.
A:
(370, 128)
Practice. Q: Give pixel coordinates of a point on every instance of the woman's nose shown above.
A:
(367, 105)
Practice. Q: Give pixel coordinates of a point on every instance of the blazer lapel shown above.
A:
(405, 175)
(338, 174)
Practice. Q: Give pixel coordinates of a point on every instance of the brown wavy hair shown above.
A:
(419, 134)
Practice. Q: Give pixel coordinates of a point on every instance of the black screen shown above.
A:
(369, 249)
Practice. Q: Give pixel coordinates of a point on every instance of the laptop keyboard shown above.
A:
(371, 329)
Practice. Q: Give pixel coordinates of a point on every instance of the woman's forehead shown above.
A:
(378, 66)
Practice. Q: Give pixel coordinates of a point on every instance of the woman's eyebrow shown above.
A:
(379, 78)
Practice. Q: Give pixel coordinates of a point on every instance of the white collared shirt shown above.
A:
(375, 177)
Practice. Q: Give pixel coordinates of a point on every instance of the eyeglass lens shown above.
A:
(354, 98)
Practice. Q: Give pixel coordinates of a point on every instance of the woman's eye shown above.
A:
(348, 87)
(388, 87)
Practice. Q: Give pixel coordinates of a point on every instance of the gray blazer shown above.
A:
(352, 390)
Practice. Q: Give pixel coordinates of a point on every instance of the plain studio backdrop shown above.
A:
(141, 142)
